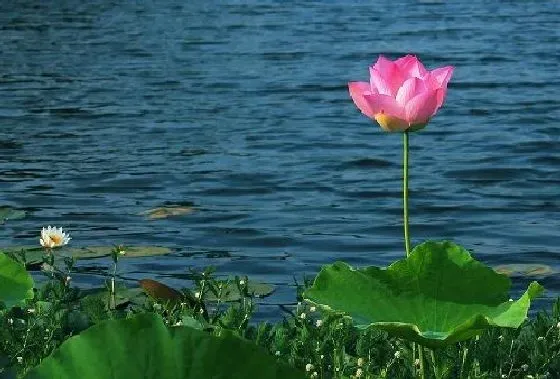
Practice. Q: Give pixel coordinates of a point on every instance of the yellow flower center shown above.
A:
(56, 239)
(390, 123)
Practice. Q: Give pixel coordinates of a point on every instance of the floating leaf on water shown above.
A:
(130, 251)
(231, 291)
(525, 269)
(168, 211)
(143, 347)
(437, 296)
(9, 213)
(34, 255)
(123, 297)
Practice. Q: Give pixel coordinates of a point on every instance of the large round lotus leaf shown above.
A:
(9, 213)
(34, 255)
(143, 347)
(437, 296)
(16, 284)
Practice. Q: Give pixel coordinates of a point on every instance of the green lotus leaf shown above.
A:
(144, 347)
(16, 284)
(437, 296)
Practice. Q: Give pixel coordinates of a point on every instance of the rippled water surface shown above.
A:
(108, 109)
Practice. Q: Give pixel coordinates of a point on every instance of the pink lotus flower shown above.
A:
(401, 95)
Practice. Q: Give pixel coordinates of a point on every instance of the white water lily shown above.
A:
(53, 237)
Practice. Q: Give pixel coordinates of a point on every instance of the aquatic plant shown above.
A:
(52, 237)
(439, 294)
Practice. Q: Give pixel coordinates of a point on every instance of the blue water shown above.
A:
(108, 109)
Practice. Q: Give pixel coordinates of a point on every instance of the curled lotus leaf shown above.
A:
(437, 296)
(161, 292)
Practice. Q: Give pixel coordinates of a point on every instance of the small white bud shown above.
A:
(417, 362)
(241, 282)
(197, 295)
(308, 367)
(558, 325)
(19, 359)
(525, 367)
(178, 323)
(319, 323)
(314, 375)
(11, 321)
(360, 362)
(302, 316)
(31, 310)
(312, 309)
(540, 339)
(277, 353)
(359, 373)
(397, 354)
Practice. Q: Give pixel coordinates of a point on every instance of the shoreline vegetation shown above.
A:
(309, 341)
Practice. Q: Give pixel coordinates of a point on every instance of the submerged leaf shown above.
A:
(437, 296)
(143, 347)
(9, 213)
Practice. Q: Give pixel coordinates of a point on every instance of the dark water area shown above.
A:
(108, 109)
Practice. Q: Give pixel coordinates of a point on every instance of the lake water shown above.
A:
(108, 109)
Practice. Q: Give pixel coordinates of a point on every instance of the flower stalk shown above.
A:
(405, 193)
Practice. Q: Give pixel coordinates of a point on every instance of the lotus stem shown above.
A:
(113, 297)
(435, 366)
(421, 359)
(405, 193)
